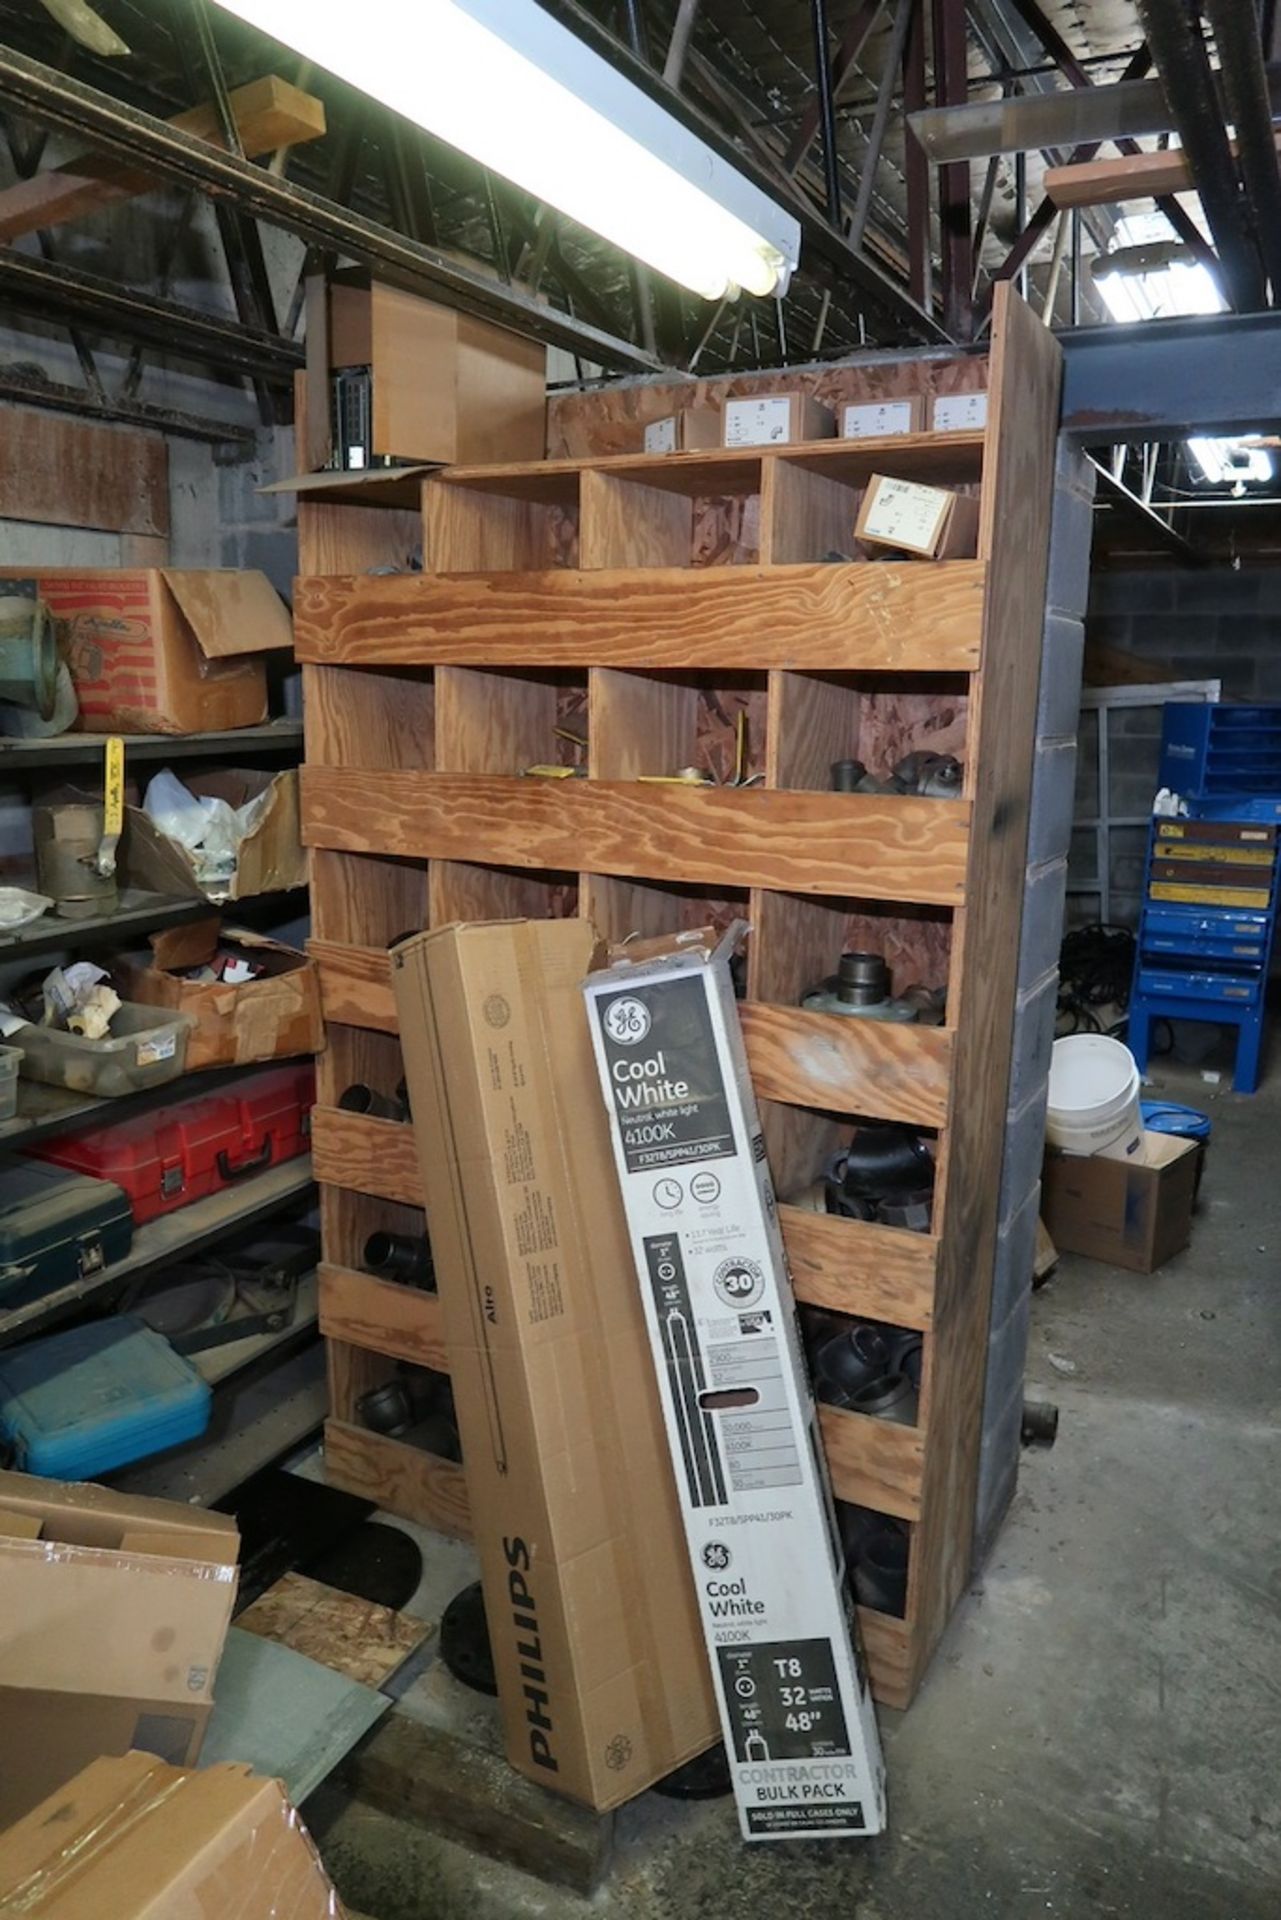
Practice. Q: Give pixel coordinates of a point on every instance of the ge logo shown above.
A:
(627, 1021)
(618, 1752)
(739, 1283)
(716, 1556)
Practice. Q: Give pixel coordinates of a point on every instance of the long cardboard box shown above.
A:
(133, 1839)
(797, 1715)
(113, 1613)
(602, 1679)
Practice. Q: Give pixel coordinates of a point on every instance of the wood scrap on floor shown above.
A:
(351, 1636)
(1046, 1257)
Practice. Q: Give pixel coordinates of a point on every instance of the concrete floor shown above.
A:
(1100, 1733)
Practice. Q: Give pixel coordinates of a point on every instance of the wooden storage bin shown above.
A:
(598, 576)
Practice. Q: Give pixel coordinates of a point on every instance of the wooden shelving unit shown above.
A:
(570, 589)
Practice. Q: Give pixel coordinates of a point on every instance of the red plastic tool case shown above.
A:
(173, 1155)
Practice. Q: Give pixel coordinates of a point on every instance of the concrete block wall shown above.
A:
(1049, 834)
(1193, 624)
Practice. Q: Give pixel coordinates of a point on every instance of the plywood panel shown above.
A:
(813, 722)
(895, 848)
(400, 1479)
(382, 1316)
(355, 984)
(913, 617)
(846, 1065)
(75, 473)
(494, 722)
(369, 1156)
(639, 725)
(344, 539)
(368, 718)
(1014, 533)
(359, 898)
(874, 1463)
(888, 1647)
(341, 1630)
(628, 524)
(805, 514)
(880, 1273)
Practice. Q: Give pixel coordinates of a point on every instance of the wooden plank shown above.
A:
(1119, 178)
(1014, 535)
(708, 470)
(459, 1788)
(349, 1635)
(355, 984)
(874, 1463)
(418, 1486)
(888, 1647)
(849, 1266)
(908, 617)
(368, 1156)
(891, 847)
(269, 113)
(382, 1316)
(473, 532)
(846, 1065)
(63, 472)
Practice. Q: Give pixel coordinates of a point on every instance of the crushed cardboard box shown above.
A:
(113, 1613)
(602, 1680)
(133, 1839)
(271, 857)
(271, 1017)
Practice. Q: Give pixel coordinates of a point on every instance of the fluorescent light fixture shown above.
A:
(1231, 462)
(504, 82)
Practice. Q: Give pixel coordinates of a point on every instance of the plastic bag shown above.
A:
(19, 907)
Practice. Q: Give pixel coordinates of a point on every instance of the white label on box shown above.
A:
(955, 412)
(741, 1424)
(906, 514)
(875, 419)
(758, 423)
(152, 1051)
(660, 435)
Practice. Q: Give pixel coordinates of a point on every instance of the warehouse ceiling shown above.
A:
(896, 250)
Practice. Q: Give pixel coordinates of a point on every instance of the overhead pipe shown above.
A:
(1245, 86)
(1184, 66)
(826, 109)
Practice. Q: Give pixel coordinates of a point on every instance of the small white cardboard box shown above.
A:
(799, 1725)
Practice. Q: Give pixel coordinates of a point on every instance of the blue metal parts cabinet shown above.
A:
(1209, 895)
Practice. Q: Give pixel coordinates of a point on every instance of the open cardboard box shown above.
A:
(113, 1613)
(1134, 1213)
(271, 858)
(270, 1018)
(164, 649)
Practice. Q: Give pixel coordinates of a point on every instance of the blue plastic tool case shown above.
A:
(56, 1228)
(80, 1404)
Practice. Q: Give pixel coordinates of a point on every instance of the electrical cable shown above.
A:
(1096, 969)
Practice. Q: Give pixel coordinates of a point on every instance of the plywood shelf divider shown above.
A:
(888, 617)
(637, 587)
(903, 848)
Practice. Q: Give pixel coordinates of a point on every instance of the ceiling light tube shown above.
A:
(505, 83)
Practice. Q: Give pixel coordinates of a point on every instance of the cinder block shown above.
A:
(1034, 1011)
(1059, 700)
(1219, 590)
(1042, 932)
(1133, 592)
(1071, 532)
(1023, 1150)
(1015, 1254)
(998, 1470)
(275, 553)
(1053, 788)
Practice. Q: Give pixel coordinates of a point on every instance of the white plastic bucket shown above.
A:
(1094, 1097)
